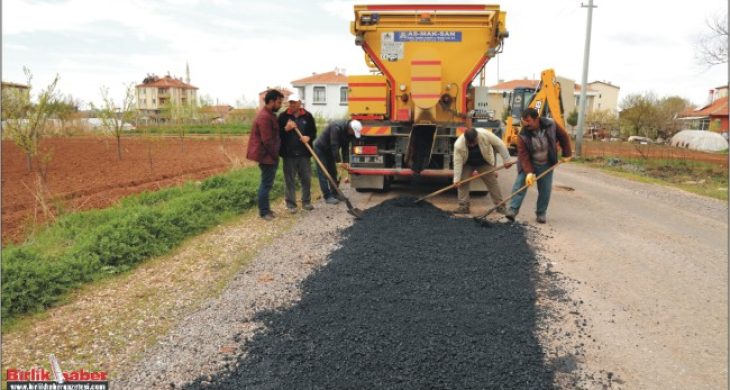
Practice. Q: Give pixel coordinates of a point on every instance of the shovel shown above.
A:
(355, 212)
(483, 219)
(431, 195)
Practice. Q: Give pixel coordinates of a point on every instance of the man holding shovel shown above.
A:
(334, 139)
(475, 149)
(537, 153)
(295, 153)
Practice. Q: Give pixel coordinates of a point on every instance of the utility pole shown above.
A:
(584, 81)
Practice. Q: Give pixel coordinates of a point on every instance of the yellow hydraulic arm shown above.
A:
(546, 100)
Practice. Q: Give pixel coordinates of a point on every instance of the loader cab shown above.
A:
(519, 100)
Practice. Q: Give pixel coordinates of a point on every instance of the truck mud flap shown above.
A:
(420, 146)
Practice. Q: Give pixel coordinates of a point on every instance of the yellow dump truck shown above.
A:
(423, 60)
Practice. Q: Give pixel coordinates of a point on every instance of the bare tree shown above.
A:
(26, 122)
(184, 114)
(712, 46)
(66, 110)
(114, 117)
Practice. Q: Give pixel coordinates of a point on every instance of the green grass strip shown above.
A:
(91, 245)
(701, 178)
(208, 129)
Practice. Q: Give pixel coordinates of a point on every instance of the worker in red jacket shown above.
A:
(263, 147)
(537, 151)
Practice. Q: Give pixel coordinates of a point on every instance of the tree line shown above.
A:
(642, 114)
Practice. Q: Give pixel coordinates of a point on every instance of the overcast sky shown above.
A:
(237, 48)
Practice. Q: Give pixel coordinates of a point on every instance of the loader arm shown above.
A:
(547, 100)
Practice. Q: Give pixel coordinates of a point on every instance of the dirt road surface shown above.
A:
(650, 264)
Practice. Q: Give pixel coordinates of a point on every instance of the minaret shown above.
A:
(187, 73)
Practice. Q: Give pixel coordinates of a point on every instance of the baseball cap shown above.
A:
(294, 97)
(356, 127)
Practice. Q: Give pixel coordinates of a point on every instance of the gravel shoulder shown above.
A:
(209, 339)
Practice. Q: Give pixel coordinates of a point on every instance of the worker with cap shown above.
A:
(294, 152)
(332, 147)
(475, 150)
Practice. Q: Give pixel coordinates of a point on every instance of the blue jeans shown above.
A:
(328, 191)
(544, 188)
(268, 174)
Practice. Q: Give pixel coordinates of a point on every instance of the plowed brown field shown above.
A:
(85, 173)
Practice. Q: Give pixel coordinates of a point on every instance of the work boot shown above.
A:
(331, 200)
(462, 209)
(292, 210)
(268, 217)
(540, 218)
(510, 214)
(307, 206)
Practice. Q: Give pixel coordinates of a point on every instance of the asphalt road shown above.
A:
(650, 264)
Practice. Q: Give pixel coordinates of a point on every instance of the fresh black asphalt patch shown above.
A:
(413, 299)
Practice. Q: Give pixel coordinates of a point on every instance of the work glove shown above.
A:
(530, 179)
(566, 159)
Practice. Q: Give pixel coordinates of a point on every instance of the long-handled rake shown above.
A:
(355, 212)
(482, 220)
(431, 195)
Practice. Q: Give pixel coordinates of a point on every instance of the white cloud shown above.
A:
(13, 46)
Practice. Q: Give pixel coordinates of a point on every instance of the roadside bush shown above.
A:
(90, 245)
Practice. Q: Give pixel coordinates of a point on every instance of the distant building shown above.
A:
(712, 116)
(324, 94)
(15, 91)
(607, 96)
(281, 89)
(155, 93)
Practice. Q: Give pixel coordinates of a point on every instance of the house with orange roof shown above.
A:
(324, 94)
(713, 116)
(155, 93)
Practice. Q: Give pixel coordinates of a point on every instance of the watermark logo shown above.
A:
(40, 379)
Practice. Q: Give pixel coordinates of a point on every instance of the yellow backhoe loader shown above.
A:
(546, 99)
